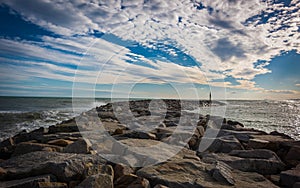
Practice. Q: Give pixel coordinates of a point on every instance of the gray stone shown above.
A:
(65, 166)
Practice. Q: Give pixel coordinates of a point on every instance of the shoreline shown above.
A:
(58, 156)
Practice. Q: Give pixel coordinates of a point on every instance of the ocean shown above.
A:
(29, 113)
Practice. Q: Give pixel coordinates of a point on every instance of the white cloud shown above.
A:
(226, 37)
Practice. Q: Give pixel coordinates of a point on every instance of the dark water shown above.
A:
(18, 113)
(25, 113)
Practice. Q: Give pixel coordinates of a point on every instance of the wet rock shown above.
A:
(27, 182)
(80, 146)
(131, 180)
(60, 142)
(27, 147)
(65, 166)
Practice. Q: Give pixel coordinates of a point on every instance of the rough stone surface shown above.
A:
(192, 174)
(97, 181)
(27, 147)
(80, 146)
(131, 180)
(121, 170)
(27, 182)
(66, 167)
(245, 160)
(223, 173)
(224, 144)
(60, 142)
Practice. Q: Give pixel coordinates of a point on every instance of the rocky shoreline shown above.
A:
(61, 156)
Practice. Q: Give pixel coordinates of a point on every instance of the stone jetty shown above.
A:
(181, 150)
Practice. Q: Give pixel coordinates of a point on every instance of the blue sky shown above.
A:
(161, 49)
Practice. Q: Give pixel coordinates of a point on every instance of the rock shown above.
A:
(290, 177)
(256, 154)
(118, 131)
(141, 152)
(80, 146)
(65, 166)
(63, 128)
(258, 144)
(264, 161)
(187, 173)
(25, 136)
(72, 136)
(97, 181)
(139, 135)
(293, 155)
(223, 173)
(223, 144)
(160, 186)
(52, 185)
(121, 170)
(27, 182)
(296, 185)
(27, 147)
(131, 180)
(98, 169)
(234, 123)
(275, 141)
(7, 143)
(60, 142)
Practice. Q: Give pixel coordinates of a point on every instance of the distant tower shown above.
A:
(209, 97)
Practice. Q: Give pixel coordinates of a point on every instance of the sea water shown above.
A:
(25, 113)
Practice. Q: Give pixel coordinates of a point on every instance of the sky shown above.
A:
(234, 49)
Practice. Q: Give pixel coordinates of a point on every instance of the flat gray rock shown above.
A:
(66, 167)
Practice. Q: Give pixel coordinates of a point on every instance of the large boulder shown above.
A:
(27, 147)
(98, 177)
(80, 146)
(260, 161)
(223, 144)
(187, 173)
(66, 167)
